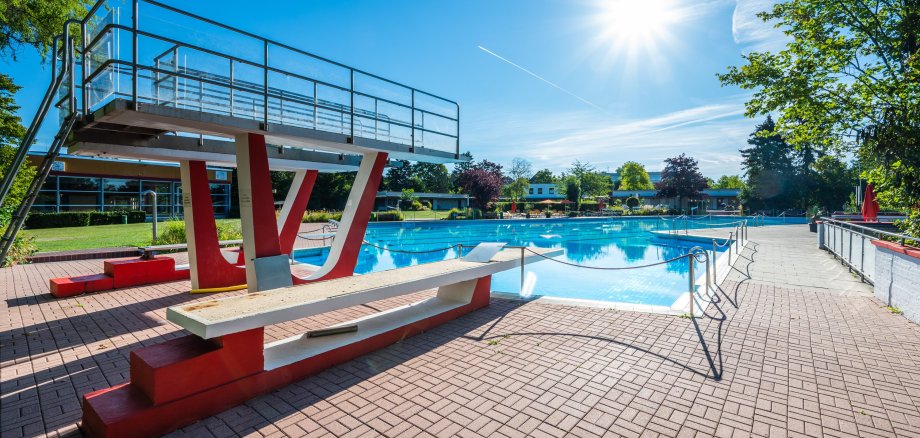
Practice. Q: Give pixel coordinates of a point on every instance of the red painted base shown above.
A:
(72, 286)
(131, 410)
(118, 274)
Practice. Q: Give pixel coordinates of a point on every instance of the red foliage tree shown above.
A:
(483, 182)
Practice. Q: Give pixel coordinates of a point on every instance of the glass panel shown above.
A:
(46, 198)
(121, 201)
(79, 183)
(50, 183)
(122, 185)
(90, 199)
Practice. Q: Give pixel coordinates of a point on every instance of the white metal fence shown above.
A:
(851, 245)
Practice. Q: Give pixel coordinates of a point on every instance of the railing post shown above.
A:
(522, 271)
(231, 88)
(690, 267)
(353, 106)
(708, 278)
(412, 132)
(715, 273)
(265, 84)
(134, 57)
(730, 244)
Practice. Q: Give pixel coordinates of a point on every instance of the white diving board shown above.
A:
(455, 279)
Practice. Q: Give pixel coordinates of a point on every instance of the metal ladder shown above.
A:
(44, 168)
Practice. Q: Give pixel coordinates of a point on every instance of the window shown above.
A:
(552, 190)
(531, 190)
(539, 190)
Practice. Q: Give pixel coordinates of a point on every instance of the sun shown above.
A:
(635, 27)
(635, 21)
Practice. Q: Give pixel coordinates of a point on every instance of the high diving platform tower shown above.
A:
(141, 79)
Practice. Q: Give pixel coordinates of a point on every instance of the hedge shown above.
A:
(387, 216)
(83, 218)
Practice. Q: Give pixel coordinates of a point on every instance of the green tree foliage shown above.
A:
(728, 182)
(848, 80)
(35, 23)
(583, 180)
(634, 177)
(11, 132)
(434, 177)
(833, 183)
(331, 191)
(516, 189)
(544, 176)
(397, 176)
(681, 178)
(779, 176)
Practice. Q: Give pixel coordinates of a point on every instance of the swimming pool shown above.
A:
(601, 242)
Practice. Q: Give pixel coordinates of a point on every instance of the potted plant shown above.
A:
(814, 215)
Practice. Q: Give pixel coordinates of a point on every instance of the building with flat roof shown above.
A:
(80, 183)
(438, 201)
(538, 192)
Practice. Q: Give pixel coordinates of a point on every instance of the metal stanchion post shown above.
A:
(690, 267)
(522, 269)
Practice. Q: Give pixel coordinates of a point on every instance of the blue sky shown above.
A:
(605, 84)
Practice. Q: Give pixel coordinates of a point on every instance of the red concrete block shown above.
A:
(134, 272)
(66, 287)
(72, 286)
(187, 365)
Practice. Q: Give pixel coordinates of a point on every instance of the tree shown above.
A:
(544, 176)
(846, 81)
(681, 178)
(517, 189)
(520, 168)
(833, 183)
(433, 177)
(398, 175)
(769, 169)
(483, 185)
(728, 182)
(588, 181)
(35, 23)
(634, 177)
(459, 168)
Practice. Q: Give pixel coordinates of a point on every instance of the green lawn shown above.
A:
(99, 236)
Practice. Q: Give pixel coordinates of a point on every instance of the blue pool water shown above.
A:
(601, 242)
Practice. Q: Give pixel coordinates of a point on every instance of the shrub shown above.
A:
(83, 218)
(58, 220)
(548, 213)
(387, 216)
(455, 213)
(573, 214)
(20, 251)
(115, 217)
(490, 215)
(321, 216)
(173, 232)
(632, 202)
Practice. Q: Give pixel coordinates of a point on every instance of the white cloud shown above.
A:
(751, 32)
(710, 133)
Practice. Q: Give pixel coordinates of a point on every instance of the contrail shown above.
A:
(540, 78)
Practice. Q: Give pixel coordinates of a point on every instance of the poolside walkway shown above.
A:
(783, 355)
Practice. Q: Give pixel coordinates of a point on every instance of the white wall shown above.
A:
(897, 281)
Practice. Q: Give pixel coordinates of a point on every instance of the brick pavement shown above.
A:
(786, 360)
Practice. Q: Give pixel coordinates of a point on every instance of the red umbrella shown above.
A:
(870, 206)
(513, 207)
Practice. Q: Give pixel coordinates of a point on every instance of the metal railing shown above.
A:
(852, 244)
(179, 59)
